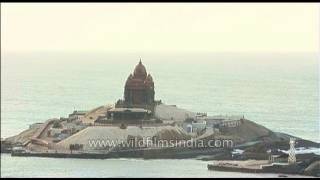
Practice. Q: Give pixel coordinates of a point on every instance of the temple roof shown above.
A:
(140, 71)
(140, 79)
(149, 77)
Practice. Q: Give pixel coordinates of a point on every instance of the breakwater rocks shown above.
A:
(263, 166)
(149, 153)
(6, 146)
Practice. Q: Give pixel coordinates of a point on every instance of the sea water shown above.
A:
(277, 90)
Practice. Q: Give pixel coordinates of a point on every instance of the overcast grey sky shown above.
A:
(160, 27)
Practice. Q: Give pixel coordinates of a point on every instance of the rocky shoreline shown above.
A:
(308, 167)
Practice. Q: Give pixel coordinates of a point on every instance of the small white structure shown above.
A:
(194, 127)
(224, 121)
(292, 154)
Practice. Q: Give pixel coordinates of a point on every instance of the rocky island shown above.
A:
(138, 126)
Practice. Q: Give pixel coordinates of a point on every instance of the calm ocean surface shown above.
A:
(279, 91)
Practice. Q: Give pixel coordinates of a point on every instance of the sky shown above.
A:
(160, 27)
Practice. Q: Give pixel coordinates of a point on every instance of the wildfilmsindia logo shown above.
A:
(149, 142)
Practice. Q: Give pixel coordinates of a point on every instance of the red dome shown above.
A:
(149, 78)
(139, 79)
(140, 71)
(130, 76)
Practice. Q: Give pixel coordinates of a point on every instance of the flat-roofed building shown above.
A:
(128, 114)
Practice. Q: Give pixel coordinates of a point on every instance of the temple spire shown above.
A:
(140, 61)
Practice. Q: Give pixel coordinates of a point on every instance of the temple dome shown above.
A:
(140, 71)
(149, 81)
(149, 78)
(130, 76)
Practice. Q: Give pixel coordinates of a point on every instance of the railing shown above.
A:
(36, 137)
